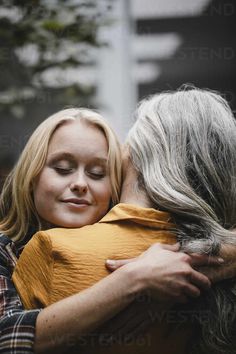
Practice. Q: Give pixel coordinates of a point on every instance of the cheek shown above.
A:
(45, 198)
(44, 190)
(104, 193)
(49, 183)
(41, 189)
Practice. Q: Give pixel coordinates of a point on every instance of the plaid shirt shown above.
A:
(17, 326)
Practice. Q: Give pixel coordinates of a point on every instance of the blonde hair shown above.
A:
(17, 210)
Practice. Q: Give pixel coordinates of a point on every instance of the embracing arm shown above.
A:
(60, 325)
(82, 313)
(215, 268)
(65, 321)
(55, 328)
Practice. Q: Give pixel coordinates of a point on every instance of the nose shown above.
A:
(79, 184)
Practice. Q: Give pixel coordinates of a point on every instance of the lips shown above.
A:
(77, 201)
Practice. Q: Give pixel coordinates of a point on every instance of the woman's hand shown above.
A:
(167, 273)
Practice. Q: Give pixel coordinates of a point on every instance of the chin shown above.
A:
(76, 221)
(74, 224)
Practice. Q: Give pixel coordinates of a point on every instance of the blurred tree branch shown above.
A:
(39, 41)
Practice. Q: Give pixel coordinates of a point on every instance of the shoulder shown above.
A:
(40, 245)
(42, 238)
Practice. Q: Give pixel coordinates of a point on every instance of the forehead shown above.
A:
(78, 137)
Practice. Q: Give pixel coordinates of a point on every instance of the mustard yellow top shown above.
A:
(61, 262)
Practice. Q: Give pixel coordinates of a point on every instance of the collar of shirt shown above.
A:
(144, 216)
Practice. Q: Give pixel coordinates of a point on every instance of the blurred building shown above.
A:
(151, 45)
(157, 45)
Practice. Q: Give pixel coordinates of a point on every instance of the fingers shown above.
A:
(204, 259)
(228, 252)
(200, 280)
(174, 248)
(192, 291)
(156, 247)
(191, 287)
(219, 274)
(112, 264)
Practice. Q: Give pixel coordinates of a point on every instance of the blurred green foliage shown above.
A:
(39, 42)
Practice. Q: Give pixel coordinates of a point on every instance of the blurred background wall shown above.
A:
(107, 55)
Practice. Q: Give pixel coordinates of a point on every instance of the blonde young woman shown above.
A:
(71, 153)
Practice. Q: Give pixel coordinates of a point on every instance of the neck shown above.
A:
(131, 193)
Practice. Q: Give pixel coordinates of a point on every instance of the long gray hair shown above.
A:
(183, 146)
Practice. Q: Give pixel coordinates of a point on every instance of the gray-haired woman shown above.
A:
(183, 147)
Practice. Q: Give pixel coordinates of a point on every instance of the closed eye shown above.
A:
(97, 175)
(63, 170)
